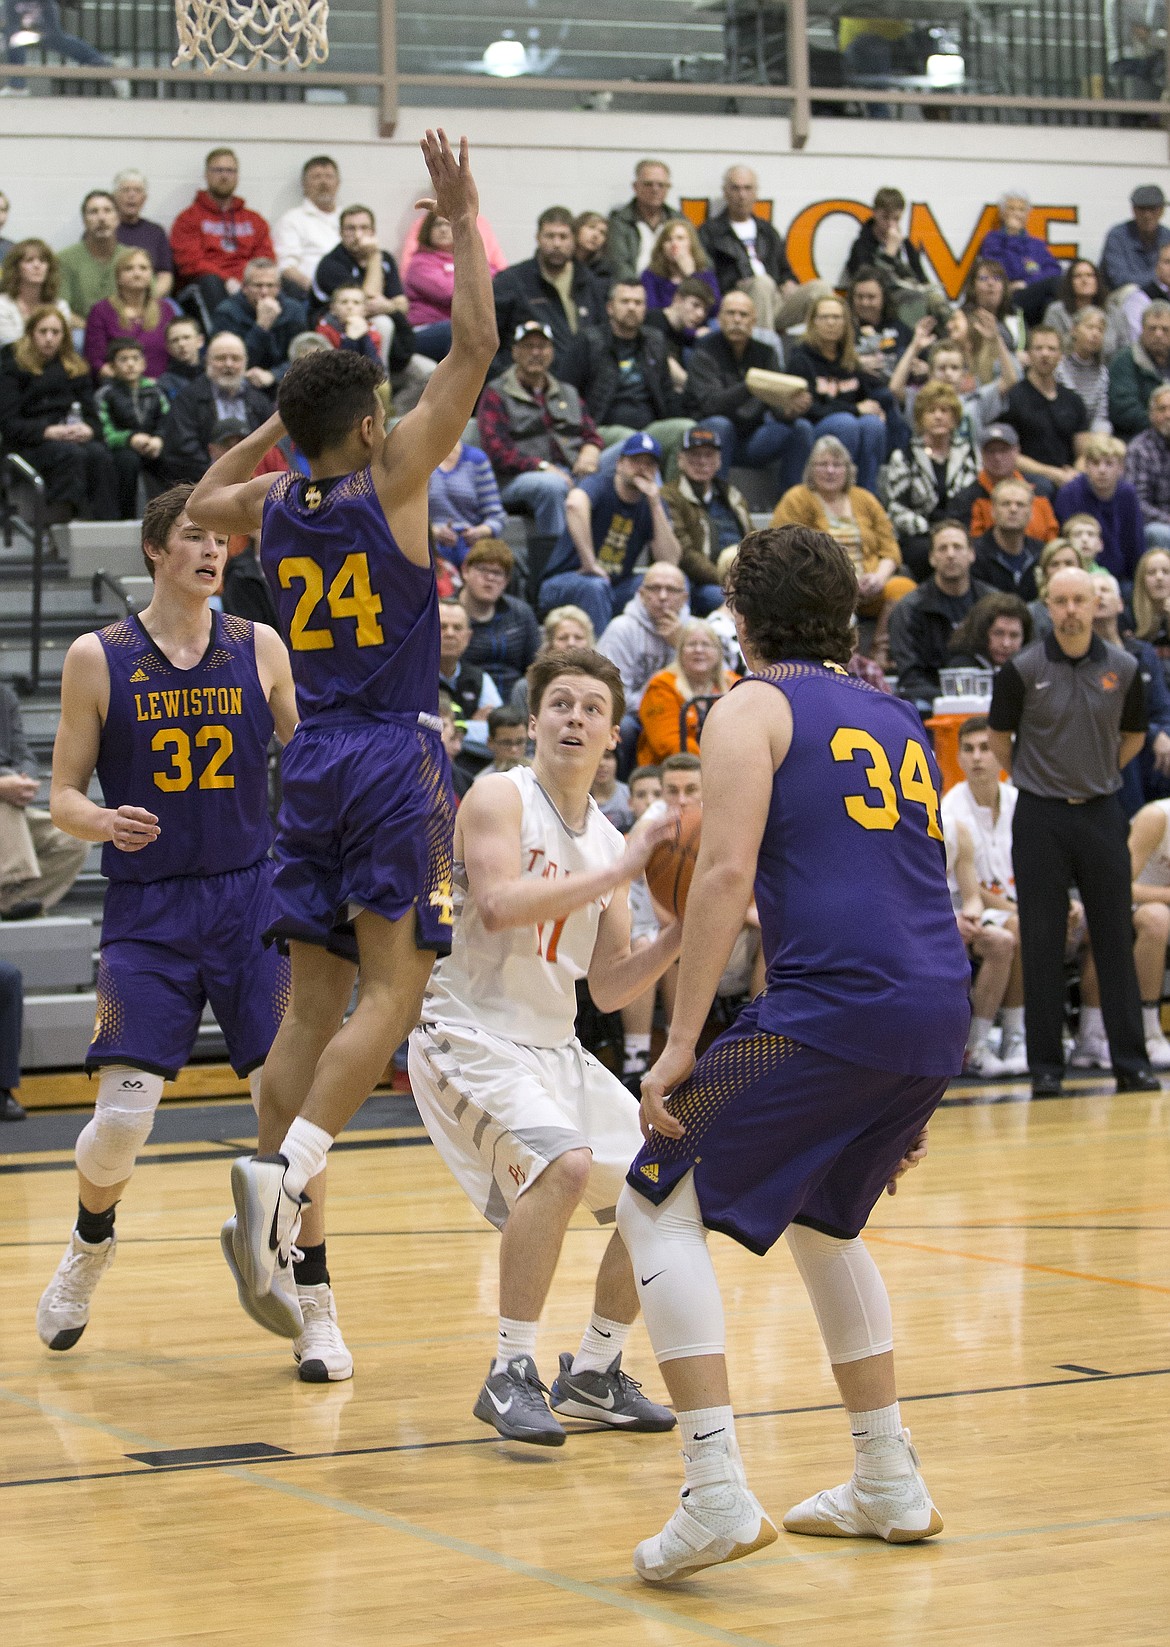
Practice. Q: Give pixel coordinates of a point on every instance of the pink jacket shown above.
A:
(429, 284)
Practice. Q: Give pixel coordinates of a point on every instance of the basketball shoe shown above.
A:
(718, 1519)
(1014, 1055)
(1091, 1052)
(278, 1310)
(267, 1219)
(895, 1506)
(63, 1312)
(319, 1351)
(609, 1397)
(513, 1402)
(981, 1062)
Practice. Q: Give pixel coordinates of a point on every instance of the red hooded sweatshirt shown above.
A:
(213, 237)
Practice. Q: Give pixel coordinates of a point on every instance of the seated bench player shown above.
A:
(174, 709)
(529, 1122)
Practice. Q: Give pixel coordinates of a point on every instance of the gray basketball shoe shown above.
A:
(609, 1397)
(513, 1403)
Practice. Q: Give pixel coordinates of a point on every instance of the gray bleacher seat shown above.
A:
(111, 546)
(757, 485)
(55, 952)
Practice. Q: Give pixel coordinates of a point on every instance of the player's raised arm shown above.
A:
(618, 974)
(489, 824)
(416, 445)
(228, 499)
(85, 692)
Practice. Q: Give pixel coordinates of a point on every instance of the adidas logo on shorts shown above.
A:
(650, 1170)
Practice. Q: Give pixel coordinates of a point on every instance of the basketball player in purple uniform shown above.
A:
(822, 794)
(175, 710)
(364, 837)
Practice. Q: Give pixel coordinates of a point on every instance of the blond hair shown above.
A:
(1147, 616)
(1099, 445)
(698, 626)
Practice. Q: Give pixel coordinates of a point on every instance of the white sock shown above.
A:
(514, 1338)
(980, 1030)
(1152, 1021)
(637, 1051)
(714, 1469)
(602, 1341)
(1013, 1024)
(874, 1436)
(1092, 1024)
(305, 1148)
(707, 1431)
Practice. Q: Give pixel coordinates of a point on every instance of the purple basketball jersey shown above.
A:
(864, 958)
(191, 746)
(361, 621)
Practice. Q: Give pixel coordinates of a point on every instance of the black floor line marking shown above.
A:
(217, 1152)
(233, 1452)
(1089, 1372)
(585, 1429)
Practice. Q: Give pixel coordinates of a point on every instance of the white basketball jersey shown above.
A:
(520, 983)
(991, 836)
(1157, 869)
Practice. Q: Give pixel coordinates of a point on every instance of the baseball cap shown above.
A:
(698, 440)
(1147, 194)
(227, 428)
(1002, 432)
(641, 445)
(527, 327)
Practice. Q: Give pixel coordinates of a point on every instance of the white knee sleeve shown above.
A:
(108, 1146)
(847, 1292)
(254, 1087)
(672, 1268)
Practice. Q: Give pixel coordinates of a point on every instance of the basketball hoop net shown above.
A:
(243, 34)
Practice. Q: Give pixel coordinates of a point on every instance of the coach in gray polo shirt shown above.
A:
(1076, 706)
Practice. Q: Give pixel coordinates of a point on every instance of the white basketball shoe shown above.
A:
(894, 1506)
(63, 1312)
(320, 1351)
(718, 1519)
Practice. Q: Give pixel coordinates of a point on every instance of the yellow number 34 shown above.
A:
(850, 743)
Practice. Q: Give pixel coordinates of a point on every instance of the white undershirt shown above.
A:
(746, 231)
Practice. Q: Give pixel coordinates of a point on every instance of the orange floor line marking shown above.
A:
(1022, 1264)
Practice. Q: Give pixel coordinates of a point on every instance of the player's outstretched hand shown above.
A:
(916, 1153)
(455, 192)
(134, 828)
(672, 1068)
(651, 829)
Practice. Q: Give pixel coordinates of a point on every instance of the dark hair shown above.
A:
(214, 154)
(643, 772)
(183, 320)
(888, 198)
(504, 715)
(796, 591)
(554, 214)
(355, 211)
(621, 280)
(320, 160)
(1043, 330)
(692, 286)
(426, 226)
(1064, 292)
(684, 761)
(867, 275)
(574, 660)
(98, 194)
(973, 724)
(10, 273)
(118, 346)
(159, 517)
(967, 295)
(971, 635)
(948, 523)
(324, 395)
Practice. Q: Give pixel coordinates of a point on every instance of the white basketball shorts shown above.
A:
(499, 1112)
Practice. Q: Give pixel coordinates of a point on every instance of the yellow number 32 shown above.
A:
(850, 743)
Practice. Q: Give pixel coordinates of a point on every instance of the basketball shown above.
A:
(672, 863)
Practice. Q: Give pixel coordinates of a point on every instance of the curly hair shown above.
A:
(574, 660)
(971, 635)
(796, 591)
(10, 274)
(324, 396)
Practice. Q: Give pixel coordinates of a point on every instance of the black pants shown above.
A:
(11, 1011)
(1055, 846)
(86, 476)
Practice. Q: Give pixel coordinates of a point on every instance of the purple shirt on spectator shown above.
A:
(1022, 255)
(150, 238)
(660, 290)
(466, 495)
(1120, 519)
(103, 324)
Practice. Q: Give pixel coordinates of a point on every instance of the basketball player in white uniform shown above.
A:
(528, 1121)
(1149, 851)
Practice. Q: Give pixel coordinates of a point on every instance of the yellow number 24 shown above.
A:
(350, 596)
(851, 743)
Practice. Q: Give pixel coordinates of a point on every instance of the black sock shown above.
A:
(312, 1270)
(95, 1226)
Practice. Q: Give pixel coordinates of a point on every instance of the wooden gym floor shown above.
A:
(170, 1480)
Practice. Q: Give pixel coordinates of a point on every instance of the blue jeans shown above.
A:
(1157, 535)
(543, 491)
(786, 445)
(599, 597)
(705, 599)
(864, 438)
(433, 340)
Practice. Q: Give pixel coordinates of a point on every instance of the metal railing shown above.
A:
(743, 56)
(20, 478)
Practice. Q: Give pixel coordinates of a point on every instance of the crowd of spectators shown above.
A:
(659, 381)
